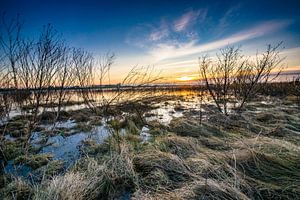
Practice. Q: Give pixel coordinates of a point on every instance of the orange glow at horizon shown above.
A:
(185, 78)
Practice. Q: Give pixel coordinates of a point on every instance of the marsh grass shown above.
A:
(67, 187)
(252, 156)
(17, 189)
(34, 161)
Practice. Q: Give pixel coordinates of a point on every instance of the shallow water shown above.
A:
(145, 135)
(62, 148)
(68, 148)
(69, 124)
(17, 170)
(9, 138)
(165, 112)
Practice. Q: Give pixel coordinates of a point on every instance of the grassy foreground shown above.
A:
(255, 155)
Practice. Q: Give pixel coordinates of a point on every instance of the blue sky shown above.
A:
(170, 35)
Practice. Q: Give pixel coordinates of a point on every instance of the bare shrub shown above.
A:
(253, 75)
(218, 75)
(234, 77)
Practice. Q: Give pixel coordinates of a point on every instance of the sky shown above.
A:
(168, 35)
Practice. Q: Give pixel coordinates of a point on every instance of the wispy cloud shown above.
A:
(224, 21)
(173, 49)
(160, 33)
(188, 19)
(146, 34)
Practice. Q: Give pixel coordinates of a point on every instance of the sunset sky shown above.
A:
(169, 35)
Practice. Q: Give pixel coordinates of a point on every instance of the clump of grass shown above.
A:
(109, 172)
(152, 163)
(198, 164)
(11, 149)
(17, 189)
(271, 176)
(53, 168)
(117, 124)
(191, 128)
(96, 121)
(195, 190)
(34, 161)
(71, 186)
(183, 147)
(82, 115)
(184, 128)
(91, 148)
(114, 175)
(131, 127)
(47, 116)
(267, 117)
(214, 143)
(284, 132)
(231, 122)
(179, 107)
(15, 127)
(135, 141)
(210, 189)
(84, 127)
(271, 167)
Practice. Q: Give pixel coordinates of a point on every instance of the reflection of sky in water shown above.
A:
(62, 148)
(98, 97)
(17, 170)
(68, 148)
(164, 115)
(166, 111)
(69, 124)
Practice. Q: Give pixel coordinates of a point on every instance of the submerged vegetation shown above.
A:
(234, 137)
(253, 156)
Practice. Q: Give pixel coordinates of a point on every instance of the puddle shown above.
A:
(68, 148)
(145, 135)
(37, 139)
(164, 113)
(69, 124)
(126, 195)
(18, 169)
(9, 138)
(62, 148)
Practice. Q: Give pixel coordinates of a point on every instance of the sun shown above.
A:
(185, 78)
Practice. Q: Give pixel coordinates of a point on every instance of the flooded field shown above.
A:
(158, 121)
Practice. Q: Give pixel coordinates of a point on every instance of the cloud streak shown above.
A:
(188, 19)
(224, 22)
(173, 49)
(160, 33)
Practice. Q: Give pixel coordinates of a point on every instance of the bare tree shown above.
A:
(5, 99)
(296, 85)
(64, 79)
(41, 70)
(94, 77)
(10, 33)
(39, 64)
(234, 77)
(9, 44)
(83, 63)
(253, 75)
(218, 75)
